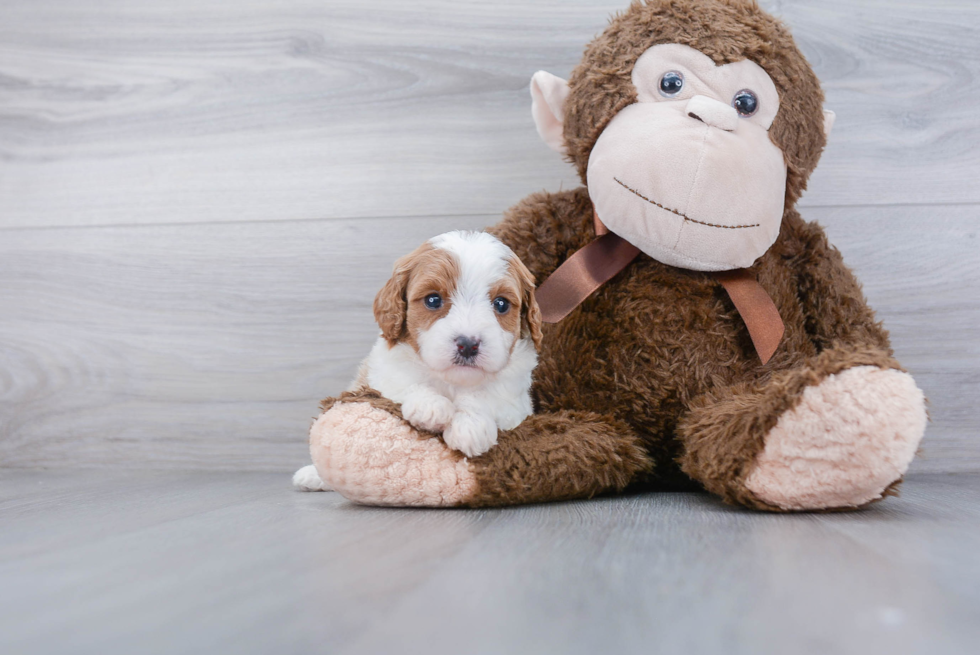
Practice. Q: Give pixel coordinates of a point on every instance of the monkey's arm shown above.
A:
(836, 312)
(544, 229)
(362, 446)
(838, 430)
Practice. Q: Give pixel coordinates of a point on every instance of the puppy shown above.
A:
(459, 333)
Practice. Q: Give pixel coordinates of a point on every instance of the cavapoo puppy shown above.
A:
(459, 332)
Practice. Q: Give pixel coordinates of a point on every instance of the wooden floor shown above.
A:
(170, 562)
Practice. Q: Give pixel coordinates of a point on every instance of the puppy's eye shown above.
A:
(745, 102)
(433, 301)
(671, 84)
(501, 305)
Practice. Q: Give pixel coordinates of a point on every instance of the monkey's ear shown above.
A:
(548, 94)
(828, 122)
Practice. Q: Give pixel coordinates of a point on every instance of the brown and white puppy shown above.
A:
(459, 332)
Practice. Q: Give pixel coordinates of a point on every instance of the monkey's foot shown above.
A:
(849, 439)
(372, 457)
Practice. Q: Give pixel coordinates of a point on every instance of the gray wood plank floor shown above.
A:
(177, 562)
(198, 201)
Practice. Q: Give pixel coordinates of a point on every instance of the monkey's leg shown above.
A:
(365, 450)
(838, 432)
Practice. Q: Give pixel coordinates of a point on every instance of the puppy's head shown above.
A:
(462, 300)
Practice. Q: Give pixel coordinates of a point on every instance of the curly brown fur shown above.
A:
(725, 30)
(836, 310)
(558, 456)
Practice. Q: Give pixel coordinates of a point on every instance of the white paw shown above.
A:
(431, 412)
(307, 479)
(847, 440)
(471, 434)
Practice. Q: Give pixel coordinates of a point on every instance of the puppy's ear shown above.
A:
(391, 304)
(530, 312)
(532, 319)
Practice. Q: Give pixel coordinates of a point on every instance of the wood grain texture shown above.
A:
(131, 113)
(199, 201)
(205, 345)
(208, 346)
(124, 562)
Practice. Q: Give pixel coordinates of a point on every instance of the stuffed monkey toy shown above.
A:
(706, 336)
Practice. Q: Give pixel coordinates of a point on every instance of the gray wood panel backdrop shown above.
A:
(199, 199)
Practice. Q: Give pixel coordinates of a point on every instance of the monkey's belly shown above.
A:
(642, 347)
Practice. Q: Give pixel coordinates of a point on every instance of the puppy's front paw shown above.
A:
(471, 434)
(430, 412)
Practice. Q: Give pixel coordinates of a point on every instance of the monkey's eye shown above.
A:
(501, 305)
(745, 102)
(671, 84)
(433, 301)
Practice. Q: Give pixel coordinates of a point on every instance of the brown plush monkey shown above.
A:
(694, 125)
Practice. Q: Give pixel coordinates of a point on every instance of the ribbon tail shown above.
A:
(581, 274)
(757, 310)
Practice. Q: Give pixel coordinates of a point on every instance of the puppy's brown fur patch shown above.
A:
(510, 321)
(436, 271)
(530, 312)
(399, 308)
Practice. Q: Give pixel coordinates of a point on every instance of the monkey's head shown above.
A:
(694, 124)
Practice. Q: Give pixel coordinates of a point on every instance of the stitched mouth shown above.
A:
(674, 211)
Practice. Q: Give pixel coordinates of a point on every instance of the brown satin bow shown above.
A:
(598, 262)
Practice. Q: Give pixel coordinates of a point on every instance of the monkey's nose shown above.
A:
(467, 347)
(713, 112)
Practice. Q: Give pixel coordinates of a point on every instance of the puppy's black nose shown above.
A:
(467, 347)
